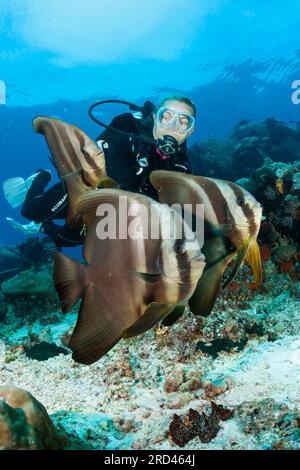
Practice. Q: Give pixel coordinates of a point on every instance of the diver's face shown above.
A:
(165, 124)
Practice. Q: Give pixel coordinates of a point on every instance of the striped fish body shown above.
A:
(77, 158)
(127, 285)
(232, 220)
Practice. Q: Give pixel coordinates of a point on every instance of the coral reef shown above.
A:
(24, 423)
(279, 237)
(37, 251)
(31, 292)
(246, 149)
(10, 262)
(34, 252)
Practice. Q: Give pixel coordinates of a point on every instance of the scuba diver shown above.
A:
(134, 145)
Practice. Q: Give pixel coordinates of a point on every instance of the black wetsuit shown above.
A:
(128, 161)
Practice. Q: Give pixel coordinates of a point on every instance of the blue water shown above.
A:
(236, 60)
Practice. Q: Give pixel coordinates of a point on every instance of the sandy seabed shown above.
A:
(128, 398)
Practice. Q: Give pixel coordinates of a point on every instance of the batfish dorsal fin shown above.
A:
(72, 149)
(180, 188)
(172, 187)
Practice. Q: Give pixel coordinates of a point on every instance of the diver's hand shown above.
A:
(44, 176)
(102, 144)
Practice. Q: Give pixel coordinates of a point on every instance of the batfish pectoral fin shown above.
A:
(97, 330)
(253, 258)
(107, 182)
(239, 260)
(151, 316)
(203, 299)
(173, 316)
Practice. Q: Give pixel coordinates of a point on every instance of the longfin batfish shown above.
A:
(117, 298)
(232, 220)
(80, 163)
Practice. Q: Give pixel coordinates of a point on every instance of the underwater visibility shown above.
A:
(150, 228)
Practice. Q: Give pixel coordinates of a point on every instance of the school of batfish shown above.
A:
(128, 285)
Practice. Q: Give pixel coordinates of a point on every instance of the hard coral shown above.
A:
(25, 423)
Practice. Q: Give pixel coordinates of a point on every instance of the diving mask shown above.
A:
(175, 120)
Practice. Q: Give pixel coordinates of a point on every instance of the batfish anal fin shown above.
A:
(173, 316)
(69, 280)
(152, 315)
(96, 331)
(203, 299)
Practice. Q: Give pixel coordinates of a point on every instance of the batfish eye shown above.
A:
(179, 247)
(241, 201)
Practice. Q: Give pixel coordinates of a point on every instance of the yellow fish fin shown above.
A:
(253, 258)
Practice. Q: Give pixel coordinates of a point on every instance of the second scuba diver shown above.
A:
(129, 161)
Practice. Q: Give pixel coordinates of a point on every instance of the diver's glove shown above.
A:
(43, 177)
(62, 235)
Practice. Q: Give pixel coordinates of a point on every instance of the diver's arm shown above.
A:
(40, 205)
(62, 235)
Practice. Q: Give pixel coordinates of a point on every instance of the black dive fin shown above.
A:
(172, 317)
